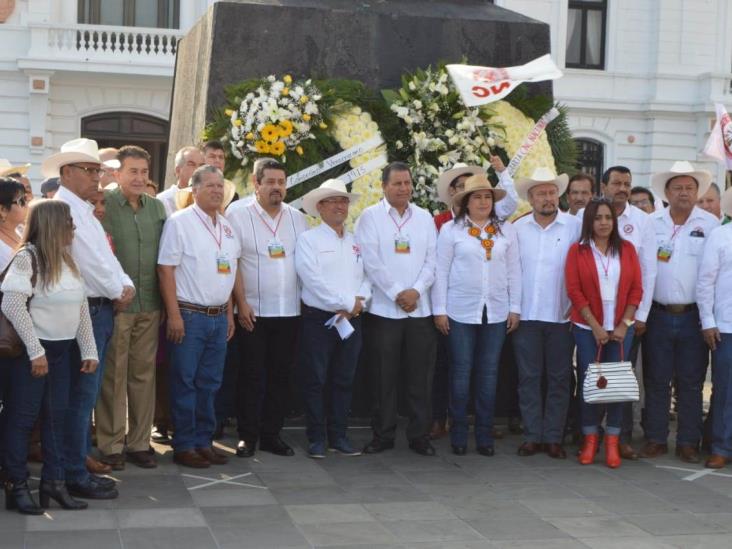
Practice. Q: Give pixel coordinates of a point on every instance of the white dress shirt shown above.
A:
(197, 249)
(635, 226)
(391, 272)
(506, 207)
(714, 286)
(330, 269)
(676, 278)
(167, 197)
(543, 255)
(466, 282)
(102, 273)
(270, 283)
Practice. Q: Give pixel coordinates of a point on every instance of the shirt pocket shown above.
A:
(695, 245)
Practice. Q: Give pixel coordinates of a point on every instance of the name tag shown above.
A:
(401, 244)
(223, 265)
(276, 249)
(664, 253)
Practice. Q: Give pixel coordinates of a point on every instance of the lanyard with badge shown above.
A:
(223, 262)
(401, 240)
(275, 247)
(606, 287)
(667, 248)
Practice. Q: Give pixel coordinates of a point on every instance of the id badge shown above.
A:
(223, 265)
(664, 253)
(401, 244)
(276, 249)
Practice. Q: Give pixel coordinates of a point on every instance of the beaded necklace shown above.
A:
(487, 242)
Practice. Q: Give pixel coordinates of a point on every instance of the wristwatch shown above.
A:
(628, 323)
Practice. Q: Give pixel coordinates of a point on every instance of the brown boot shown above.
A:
(96, 467)
(212, 456)
(715, 461)
(627, 452)
(115, 461)
(191, 458)
(439, 430)
(142, 459)
(653, 450)
(688, 454)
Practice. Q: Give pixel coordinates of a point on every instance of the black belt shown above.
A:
(208, 311)
(98, 301)
(675, 309)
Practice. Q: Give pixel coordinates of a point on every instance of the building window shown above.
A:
(162, 14)
(591, 159)
(586, 24)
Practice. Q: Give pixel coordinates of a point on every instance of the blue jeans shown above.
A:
(328, 366)
(5, 365)
(475, 350)
(196, 371)
(83, 393)
(675, 348)
(722, 397)
(441, 380)
(591, 414)
(47, 396)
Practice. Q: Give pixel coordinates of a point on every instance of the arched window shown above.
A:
(115, 129)
(591, 158)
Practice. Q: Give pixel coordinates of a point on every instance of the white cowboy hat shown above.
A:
(448, 176)
(184, 197)
(6, 168)
(332, 187)
(726, 202)
(540, 177)
(112, 164)
(681, 167)
(76, 150)
(478, 182)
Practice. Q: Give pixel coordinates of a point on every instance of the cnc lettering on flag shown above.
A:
(481, 85)
(719, 144)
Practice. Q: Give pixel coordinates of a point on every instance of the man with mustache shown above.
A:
(268, 308)
(635, 226)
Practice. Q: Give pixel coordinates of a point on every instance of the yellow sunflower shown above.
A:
(262, 147)
(285, 128)
(270, 133)
(277, 148)
(306, 117)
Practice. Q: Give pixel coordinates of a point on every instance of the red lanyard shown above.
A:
(266, 224)
(217, 240)
(676, 230)
(398, 226)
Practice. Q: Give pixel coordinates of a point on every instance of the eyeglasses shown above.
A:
(341, 200)
(89, 171)
(21, 202)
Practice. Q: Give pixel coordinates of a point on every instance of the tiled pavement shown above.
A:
(395, 500)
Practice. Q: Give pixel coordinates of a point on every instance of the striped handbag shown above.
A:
(608, 382)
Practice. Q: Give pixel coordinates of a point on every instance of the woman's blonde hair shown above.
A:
(50, 228)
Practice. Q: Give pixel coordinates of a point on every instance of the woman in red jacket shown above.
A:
(604, 284)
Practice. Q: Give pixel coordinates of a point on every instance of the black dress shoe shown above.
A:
(459, 450)
(276, 446)
(104, 482)
(529, 449)
(18, 496)
(91, 490)
(245, 449)
(56, 490)
(487, 451)
(422, 446)
(378, 445)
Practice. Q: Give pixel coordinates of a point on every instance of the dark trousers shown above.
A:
(5, 365)
(328, 365)
(30, 397)
(263, 382)
(675, 348)
(441, 379)
(225, 403)
(722, 397)
(396, 344)
(543, 349)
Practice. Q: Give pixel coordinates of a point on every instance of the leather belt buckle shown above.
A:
(213, 311)
(676, 309)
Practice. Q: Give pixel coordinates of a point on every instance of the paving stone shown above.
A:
(313, 495)
(576, 507)
(319, 513)
(160, 518)
(588, 527)
(698, 541)
(674, 523)
(59, 519)
(89, 539)
(623, 543)
(416, 510)
(347, 533)
(218, 497)
(432, 530)
(229, 517)
(12, 539)
(260, 536)
(165, 538)
(518, 528)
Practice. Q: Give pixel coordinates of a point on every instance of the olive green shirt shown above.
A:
(135, 238)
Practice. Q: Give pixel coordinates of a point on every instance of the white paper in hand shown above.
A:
(342, 325)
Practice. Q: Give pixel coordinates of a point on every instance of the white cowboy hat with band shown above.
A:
(7, 168)
(448, 176)
(679, 168)
(328, 189)
(478, 182)
(541, 176)
(76, 150)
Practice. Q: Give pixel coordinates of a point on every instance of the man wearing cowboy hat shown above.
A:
(107, 286)
(7, 169)
(329, 265)
(674, 341)
(134, 221)
(268, 309)
(187, 160)
(714, 296)
(543, 344)
(398, 244)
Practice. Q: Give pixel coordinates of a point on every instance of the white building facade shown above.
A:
(641, 76)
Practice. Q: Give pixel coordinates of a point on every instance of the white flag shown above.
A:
(481, 85)
(719, 144)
